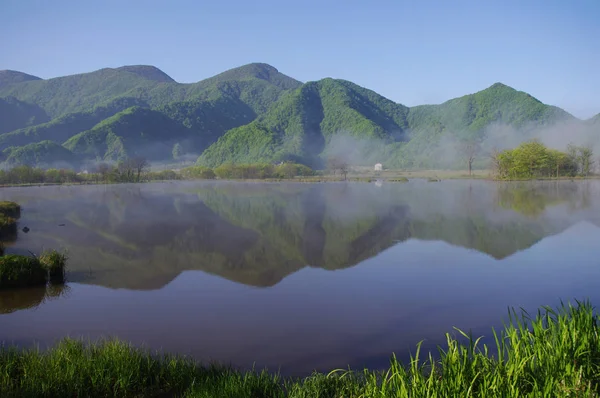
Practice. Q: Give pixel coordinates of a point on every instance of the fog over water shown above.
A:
(300, 276)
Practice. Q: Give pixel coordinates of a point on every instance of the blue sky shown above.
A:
(412, 52)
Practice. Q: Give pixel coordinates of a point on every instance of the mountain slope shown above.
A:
(8, 77)
(40, 154)
(435, 129)
(148, 72)
(133, 132)
(15, 114)
(306, 121)
(256, 84)
(62, 128)
(77, 93)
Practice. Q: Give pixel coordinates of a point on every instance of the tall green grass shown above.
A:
(554, 354)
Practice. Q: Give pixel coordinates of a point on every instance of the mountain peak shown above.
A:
(500, 86)
(12, 76)
(256, 70)
(148, 72)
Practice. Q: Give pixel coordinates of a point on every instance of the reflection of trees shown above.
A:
(532, 199)
(22, 299)
(257, 234)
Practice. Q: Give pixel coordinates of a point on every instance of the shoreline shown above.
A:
(558, 351)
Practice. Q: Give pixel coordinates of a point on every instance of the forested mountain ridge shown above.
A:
(254, 113)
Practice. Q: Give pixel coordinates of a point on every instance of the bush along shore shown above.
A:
(556, 353)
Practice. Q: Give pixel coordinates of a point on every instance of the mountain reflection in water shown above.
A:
(431, 255)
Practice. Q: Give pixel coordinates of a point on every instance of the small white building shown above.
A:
(378, 167)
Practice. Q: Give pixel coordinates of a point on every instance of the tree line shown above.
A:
(137, 169)
(533, 159)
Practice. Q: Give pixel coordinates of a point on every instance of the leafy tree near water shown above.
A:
(532, 159)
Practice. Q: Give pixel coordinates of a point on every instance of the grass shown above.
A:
(556, 353)
(9, 212)
(55, 262)
(10, 209)
(26, 271)
(21, 271)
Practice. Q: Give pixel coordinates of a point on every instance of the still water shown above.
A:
(299, 277)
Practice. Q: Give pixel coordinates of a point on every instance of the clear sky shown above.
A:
(412, 52)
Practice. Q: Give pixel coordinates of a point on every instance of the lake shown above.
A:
(298, 276)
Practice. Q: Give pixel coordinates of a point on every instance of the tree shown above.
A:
(104, 170)
(333, 163)
(586, 156)
(177, 151)
(139, 165)
(337, 163)
(469, 151)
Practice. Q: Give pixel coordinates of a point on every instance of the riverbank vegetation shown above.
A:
(556, 353)
(533, 159)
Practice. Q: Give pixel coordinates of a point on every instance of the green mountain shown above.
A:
(305, 121)
(15, 113)
(338, 117)
(44, 154)
(255, 113)
(148, 72)
(8, 77)
(62, 128)
(135, 131)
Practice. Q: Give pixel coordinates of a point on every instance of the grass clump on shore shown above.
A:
(556, 353)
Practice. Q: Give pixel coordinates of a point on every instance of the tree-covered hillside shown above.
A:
(8, 77)
(135, 131)
(437, 130)
(15, 113)
(62, 128)
(43, 154)
(303, 124)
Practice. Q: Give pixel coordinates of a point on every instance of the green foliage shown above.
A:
(533, 160)
(197, 172)
(556, 353)
(31, 175)
(15, 114)
(261, 171)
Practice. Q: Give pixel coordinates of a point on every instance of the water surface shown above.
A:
(300, 276)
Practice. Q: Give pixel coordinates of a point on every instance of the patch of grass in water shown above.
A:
(398, 179)
(10, 209)
(556, 353)
(55, 263)
(21, 271)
